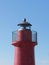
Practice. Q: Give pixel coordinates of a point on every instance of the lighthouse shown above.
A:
(24, 40)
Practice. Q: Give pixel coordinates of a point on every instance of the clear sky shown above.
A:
(12, 12)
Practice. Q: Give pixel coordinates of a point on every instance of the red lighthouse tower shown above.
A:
(24, 41)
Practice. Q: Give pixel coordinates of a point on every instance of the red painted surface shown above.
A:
(24, 35)
(24, 56)
(24, 48)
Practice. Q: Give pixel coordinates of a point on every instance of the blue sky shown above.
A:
(12, 12)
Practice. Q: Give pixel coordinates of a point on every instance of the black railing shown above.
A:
(34, 36)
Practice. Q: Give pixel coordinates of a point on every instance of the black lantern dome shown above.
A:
(25, 24)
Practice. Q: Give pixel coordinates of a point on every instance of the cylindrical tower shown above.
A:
(24, 41)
